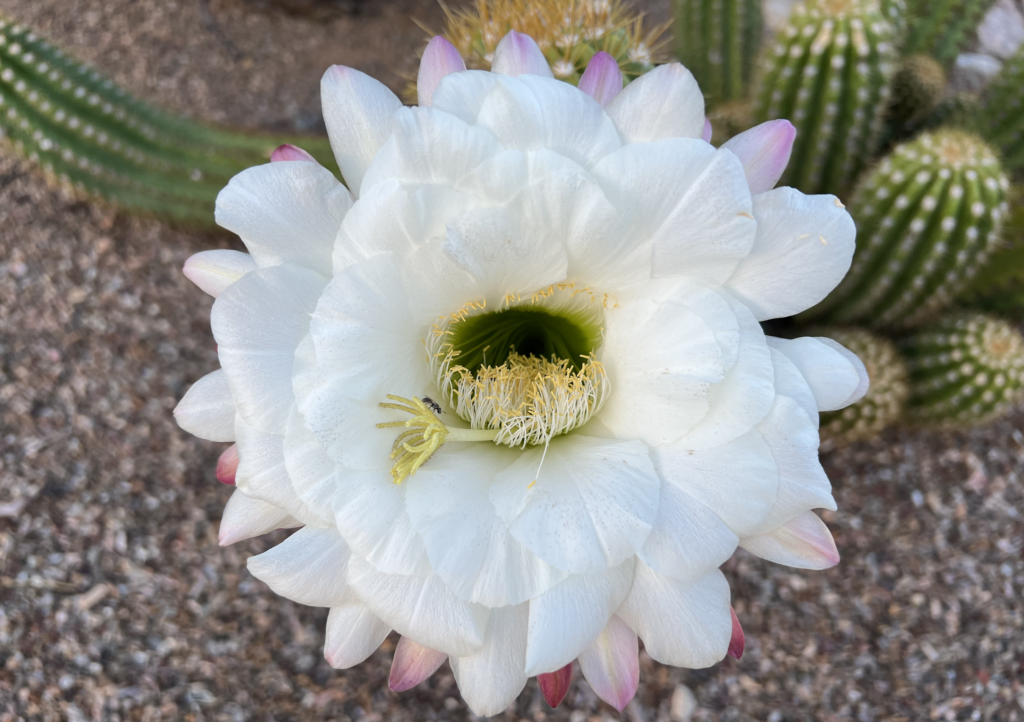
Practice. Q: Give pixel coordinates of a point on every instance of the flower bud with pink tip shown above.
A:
(518, 54)
(227, 465)
(602, 80)
(439, 59)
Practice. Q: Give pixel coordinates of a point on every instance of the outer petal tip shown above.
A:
(519, 54)
(227, 465)
(764, 151)
(708, 131)
(555, 685)
(439, 59)
(611, 664)
(738, 640)
(602, 80)
(412, 664)
(290, 152)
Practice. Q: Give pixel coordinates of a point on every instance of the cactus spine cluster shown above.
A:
(927, 217)
(718, 41)
(886, 398)
(1003, 116)
(966, 369)
(91, 135)
(829, 73)
(941, 27)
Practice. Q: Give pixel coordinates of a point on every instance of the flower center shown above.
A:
(519, 376)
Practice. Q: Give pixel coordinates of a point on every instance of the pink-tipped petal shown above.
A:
(227, 465)
(708, 131)
(290, 152)
(439, 59)
(555, 685)
(803, 542)
(611, 664)
(412, 664)
(518, 54)
(602, 80)
(764, 151)
(738, 641)
(245, 517)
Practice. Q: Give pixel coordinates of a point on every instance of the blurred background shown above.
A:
(116, 602)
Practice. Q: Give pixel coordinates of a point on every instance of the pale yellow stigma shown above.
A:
(425, 433)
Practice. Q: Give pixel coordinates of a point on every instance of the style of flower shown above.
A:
(509, 378)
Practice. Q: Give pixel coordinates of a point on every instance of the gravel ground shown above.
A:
(116, 602)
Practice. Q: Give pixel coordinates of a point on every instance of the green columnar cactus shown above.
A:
(829, 73)
(941, 27)
(999, 285)
(886, 398)
(928, 217)
(1003, 115)
(718, 41)
(966, 369)
(90, 134)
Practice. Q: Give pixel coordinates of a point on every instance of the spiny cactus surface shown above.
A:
(1003, 116)
(828, 73)
(87, 133)
(883, 404)
(927, 218)
(966, 369)
(718, 41)
(917, 88)
(569, 32)
(942, 27)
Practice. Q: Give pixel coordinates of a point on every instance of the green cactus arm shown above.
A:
(1002, 118)
(718, 40)
(942, 27)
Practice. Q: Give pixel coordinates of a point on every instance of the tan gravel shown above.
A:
(116, 602)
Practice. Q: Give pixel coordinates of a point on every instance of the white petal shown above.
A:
(412, 664)
(245, 517)
(370, 511)
(737, 480)
(311, 470)
(791, 383)
(747, 393)
(764, 151)
(429, 147)
(664, 103)
(470, 546)
(492, 677)
(287, 212)
(357, 112)
(422, 608)
(689, 204)
(569, 617)
(207, 409)
(258, 323)
(793, 441)
(592, 505)
(262, 474)
(518, 54)
(835, 374)
(309, 567)
(688, 539)
(611, 664)
(213, 271)
(353, 634)
(802, 250)
(439, 59)
(683, 624)
(664, 357)
(528, 113)
(803, 542)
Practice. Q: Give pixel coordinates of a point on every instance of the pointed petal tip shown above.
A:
(602, 80)
(611, 664)
(412, 664)
(519, 54)
(709, 132)
(738, 640)
(227, 465)
(555, 685)
(440, 58)
(290, 152)
(764, 151)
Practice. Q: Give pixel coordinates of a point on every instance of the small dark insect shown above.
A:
(434, 406)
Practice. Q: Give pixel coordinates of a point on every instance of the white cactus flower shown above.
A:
(509, 379)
